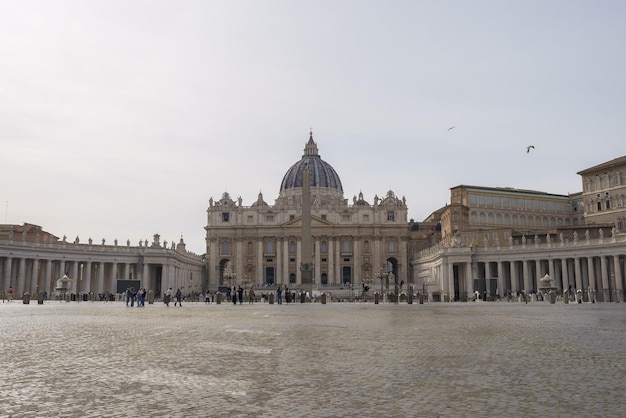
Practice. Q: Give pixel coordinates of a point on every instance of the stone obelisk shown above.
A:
(306, 263)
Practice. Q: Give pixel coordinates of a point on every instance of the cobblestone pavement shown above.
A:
(335, 360)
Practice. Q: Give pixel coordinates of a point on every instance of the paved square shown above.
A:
(335, 360)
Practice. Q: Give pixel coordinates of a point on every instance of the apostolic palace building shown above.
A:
(488, 243)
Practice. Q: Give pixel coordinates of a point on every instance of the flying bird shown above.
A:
(528, 148)
(451, 128)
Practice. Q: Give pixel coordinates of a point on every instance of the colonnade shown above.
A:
(34, 268)
(596, 270)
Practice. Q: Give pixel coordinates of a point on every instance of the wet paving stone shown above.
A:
(312, 360)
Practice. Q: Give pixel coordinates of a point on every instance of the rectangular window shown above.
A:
(324, 217)
(391, 216)
(345, 218)
(366, 218)
(250, 219)
(269, 218)
(225, 216)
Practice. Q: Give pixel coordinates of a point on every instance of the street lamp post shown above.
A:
(231, 277)
(78, 284)
(366, 287)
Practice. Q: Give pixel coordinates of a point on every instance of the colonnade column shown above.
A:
(21, 277)
(47, 278)
(113, 278)
(514, 276)
(592, 276)
(578, 274)
(605, 279)
(34, 276)
(469, 279)
(538, 275)
(565, 273)
(527, 285)
(618, 278)
(86, 285)
(501, 285)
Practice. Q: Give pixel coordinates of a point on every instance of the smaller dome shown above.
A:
(260, 202)
(360, 201)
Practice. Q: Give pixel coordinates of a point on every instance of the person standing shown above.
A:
(10, 294)
(168, 297)
(251, 295)
(233, 295)
(240, 294)
(207, 297)
(279, 295)
(179, 298)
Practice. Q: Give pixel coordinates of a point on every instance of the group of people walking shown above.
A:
(178, 297)
(237, 294)
(138, 296)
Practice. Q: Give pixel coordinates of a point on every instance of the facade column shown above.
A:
(260, 278)
(331, 260)
(240, 259)
(317, 279)
(279, 262)
(356, 266)
(298, 261)
(337, 278)
(285, 261)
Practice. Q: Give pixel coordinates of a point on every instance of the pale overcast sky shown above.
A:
(120, 119)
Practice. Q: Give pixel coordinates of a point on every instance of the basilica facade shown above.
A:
(354, 243)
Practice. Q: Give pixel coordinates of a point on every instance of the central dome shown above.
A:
(321, 173)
